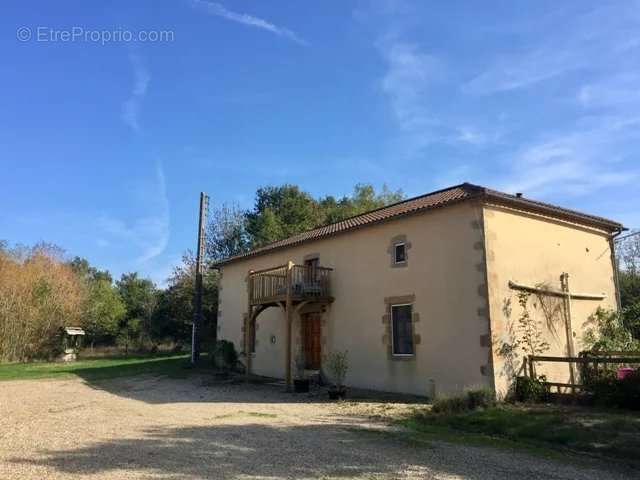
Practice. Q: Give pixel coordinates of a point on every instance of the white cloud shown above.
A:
(600, 38)
(220, 10)
(413, 82)
(575, 162)
(409, 75)
(474, 135)
(408, 83)
(618, 91)
(575, 136)
(131, 107)
(150, 232)
(521, 71)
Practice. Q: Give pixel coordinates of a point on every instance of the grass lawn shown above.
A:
(101, 368)
(546, 428)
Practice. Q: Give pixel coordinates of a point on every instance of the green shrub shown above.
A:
(606, 390)
(470, 400)
(480, 398)
(224, 355)
(529, 390)
(449, 405)
(630, 391)
(337, 366)
(609, 332)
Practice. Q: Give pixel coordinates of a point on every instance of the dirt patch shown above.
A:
(155, 427)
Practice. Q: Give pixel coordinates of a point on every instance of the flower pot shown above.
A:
(623, 372)
(337, 393)
(301, 385)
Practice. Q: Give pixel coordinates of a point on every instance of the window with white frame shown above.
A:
(400, 252)
(402, 330)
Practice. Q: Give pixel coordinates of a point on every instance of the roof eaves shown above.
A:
(534, 206)
(471, 191)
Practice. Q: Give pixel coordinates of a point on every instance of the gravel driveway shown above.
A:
(155, 427)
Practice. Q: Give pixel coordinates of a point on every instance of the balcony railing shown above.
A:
(306, 283)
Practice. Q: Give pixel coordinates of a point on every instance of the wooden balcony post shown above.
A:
(247, 326)
(289, 314)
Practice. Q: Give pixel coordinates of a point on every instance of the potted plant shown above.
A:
(301, 382)
(337, 366)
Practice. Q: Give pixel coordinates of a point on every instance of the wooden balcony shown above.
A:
(304, 283)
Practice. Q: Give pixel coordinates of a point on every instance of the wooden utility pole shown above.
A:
(197, 294)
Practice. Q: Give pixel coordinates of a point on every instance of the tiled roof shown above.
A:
(429, 201)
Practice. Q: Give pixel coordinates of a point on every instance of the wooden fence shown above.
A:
(595, 360)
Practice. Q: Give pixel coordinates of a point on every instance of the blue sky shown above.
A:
(105, 143)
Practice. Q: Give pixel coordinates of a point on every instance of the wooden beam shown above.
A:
(302, 304)
(564, 282)
(558, 293)
(564, 385)
(289, 316)
(270, 269)
(545, 358)
(247, 327)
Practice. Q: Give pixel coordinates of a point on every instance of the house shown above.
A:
(423, 294)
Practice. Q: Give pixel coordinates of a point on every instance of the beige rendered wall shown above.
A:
(445, 273)
(532, 250)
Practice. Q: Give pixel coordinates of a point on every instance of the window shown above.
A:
(399, 253)
(401, 330)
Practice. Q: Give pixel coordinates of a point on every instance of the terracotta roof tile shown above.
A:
(429, 201)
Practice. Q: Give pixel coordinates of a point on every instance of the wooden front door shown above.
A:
(311, 334)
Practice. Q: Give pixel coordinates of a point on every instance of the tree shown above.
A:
(226, 233)
(103, 310)
(102, 307)
(363, 199)
(608, 333)
(169, 320)
(174, 314)
(280, 212)
(629, 277)
(86, 272)
(39, 294)
(139, 297)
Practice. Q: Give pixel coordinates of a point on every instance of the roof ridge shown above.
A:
(427, 201)
(368, 212)
(400, 202)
